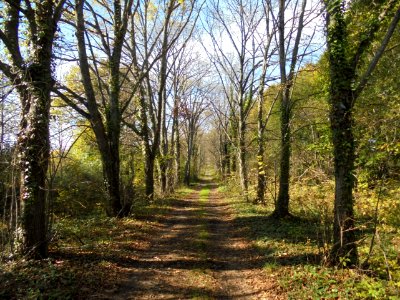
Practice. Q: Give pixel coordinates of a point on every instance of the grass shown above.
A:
(202, 274)
(89, 254)
(295, 249)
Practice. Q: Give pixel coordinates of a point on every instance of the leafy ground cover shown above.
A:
(88, 256)
(295, 249)
(206, 243)
(186, 247)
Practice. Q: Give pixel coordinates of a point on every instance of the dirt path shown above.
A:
(197, 253)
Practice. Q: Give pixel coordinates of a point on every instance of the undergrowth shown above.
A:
(295, 249)
(88, 255)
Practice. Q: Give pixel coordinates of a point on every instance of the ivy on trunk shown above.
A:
(346, 84)
(32, 77)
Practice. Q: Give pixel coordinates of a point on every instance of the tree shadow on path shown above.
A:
(199, 250)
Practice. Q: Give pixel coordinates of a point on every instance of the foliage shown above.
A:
(79, 174)
(312, 148)
(295, 249)
(40, 279)
(377, 116)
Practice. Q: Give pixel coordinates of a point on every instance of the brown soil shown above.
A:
(196, 252)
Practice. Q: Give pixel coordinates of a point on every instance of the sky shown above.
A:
(203, 43)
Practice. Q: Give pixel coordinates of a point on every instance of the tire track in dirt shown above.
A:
(197, 253)
(238, 267)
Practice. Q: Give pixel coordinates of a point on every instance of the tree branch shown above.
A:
(365, 77)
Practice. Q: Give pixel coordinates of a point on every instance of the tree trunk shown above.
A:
(282, 204)
(287, 82)
(228, 159)
(344, 237)
(148, 153)
(34, 150)
(187, 172)
(161, 135)
(149, 173)
(112, 163)
(242, 161)
(163, 173)
(164, 160)
(32, 77)
(261, 178)
(107, 131)
(173, 163)
(342, 95)
(223, 156)
(341, 102)
(233, 144)
(177, 161)
(344, 234)
(111, 173)
(234, 162)
(189, 157)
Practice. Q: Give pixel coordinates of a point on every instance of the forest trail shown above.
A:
(197, 253)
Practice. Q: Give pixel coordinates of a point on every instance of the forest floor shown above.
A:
(185, 247)
(204, 242)
(198, 253)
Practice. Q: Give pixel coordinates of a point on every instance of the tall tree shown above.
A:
(192, 107)
(236, 58)
(226, 133)
(32, 24)
(291, 52)
(154, 34)
(185, 76)
(177, 85)
(262, 120)
(349, 74)
(104, 114)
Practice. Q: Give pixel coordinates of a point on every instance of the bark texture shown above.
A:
(33, 79)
